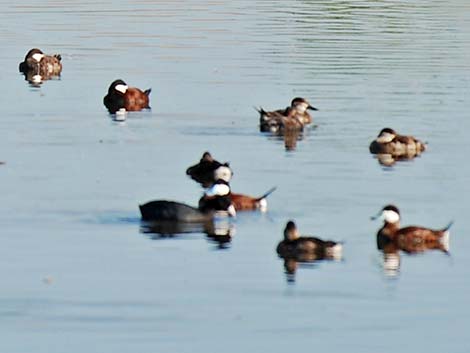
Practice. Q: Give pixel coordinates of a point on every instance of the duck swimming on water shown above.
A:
(412, 238)
(208, 170)
(122, 98)
(218, 202)
(296, 245)
(38, 66)
(390, 142)
(294, 117)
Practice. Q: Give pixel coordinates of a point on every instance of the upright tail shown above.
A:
(446, 229)
(260, 110)
(266, 194)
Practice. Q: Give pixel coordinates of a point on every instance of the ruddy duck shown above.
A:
(218, 202)
(412, 238)
(295, 245)
(243, 202)
(38, 67)
(208, 170)
(390, 143)
(294, 117)
(121, 97)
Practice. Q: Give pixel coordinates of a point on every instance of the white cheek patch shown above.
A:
(121, 88)
(37, 57)
(218, 190)
(385, 137)
(302, 107)
(390, 216)
(223, 173)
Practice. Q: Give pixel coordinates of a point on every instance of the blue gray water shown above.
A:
(78, 275)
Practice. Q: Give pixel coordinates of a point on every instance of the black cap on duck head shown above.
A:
(291, 232)
(391, 208)
(387, 130)
(391, 214)
(118, 86)
(386, 135)
(299, 100)
(32, 52)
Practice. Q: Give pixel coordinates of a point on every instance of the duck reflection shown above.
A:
(218, 230)
(389, 160)
(36, 80)
(289, 137)
(299, 250)
(391, 239)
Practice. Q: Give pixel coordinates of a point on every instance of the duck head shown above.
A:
(386, 135)
(301, 105)
(291, 232)
(390, 214)
(35, 53)
(118, 86)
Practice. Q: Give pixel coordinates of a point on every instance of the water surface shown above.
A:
(78, 273)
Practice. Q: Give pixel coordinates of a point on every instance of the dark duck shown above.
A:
(307, 248)
(218, 202)
(208, 170)
(122, 98)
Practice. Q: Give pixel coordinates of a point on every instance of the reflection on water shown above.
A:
(367, 64)
(219, 229)
(35, 80)
(304, 260)
(289, 138)
(388, 160)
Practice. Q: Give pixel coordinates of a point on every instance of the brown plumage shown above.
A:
(120, 96)
(294, 117)
(243, 202)
(136, 99)
(38, 66)
(410, 239)
(390, 142)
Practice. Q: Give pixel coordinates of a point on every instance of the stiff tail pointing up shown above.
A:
(266, 194)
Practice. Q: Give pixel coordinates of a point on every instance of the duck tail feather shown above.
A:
(267, 193)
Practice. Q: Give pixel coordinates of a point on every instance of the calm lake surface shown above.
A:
(78, 274)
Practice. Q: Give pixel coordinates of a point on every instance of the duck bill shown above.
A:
(377, 216)
(311, 108)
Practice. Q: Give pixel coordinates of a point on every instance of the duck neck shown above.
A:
(389, 230)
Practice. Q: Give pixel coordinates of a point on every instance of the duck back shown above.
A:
(162, 210)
